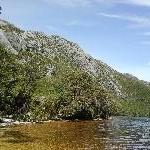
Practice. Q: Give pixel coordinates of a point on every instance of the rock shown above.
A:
(6, 120)
(17, 39)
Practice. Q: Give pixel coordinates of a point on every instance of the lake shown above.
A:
(118, 133)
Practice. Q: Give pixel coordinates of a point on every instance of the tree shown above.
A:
(8, 75)
(19, 74)
(87, 97)
(34, 66)
(71, 93)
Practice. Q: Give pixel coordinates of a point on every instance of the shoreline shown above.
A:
(10, 122)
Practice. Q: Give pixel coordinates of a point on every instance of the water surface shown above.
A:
(118, 133)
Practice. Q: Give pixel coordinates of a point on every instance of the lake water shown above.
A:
(118, 133)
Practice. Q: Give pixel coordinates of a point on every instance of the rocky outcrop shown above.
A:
(16, 40)
(49, 50)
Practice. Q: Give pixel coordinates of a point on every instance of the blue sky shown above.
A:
(114, 31)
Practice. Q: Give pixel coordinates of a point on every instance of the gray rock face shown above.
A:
(4, 40)
(16, 39)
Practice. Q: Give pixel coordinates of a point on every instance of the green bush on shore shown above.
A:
(36, 87)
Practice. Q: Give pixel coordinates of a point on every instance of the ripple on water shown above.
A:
(119, 133)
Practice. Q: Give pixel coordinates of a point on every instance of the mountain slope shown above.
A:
(58, 56)
(17, 39)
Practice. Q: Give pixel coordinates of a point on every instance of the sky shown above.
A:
(114, 31)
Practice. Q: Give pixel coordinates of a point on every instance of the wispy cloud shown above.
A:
(70, 3)
(76, 23)
(133, 2)
(85, 3)
(137, 21)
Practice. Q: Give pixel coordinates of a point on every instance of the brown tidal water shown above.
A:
(118, 133)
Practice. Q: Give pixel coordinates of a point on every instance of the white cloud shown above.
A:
(85, 3)
(74, 23)
(133, 2)
(70, 3)
(79, 23)
(137, 21)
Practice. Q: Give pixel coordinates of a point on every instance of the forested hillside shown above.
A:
(48, 77)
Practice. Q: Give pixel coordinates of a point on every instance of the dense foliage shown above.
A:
(19, 74)
(48, 77)
(36, 87)
(134, 88)
(137, 100)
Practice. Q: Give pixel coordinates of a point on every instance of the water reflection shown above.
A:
(119, 133)
(130, 133)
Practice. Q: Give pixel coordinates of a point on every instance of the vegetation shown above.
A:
(137, 100)
(72, 94)
(134, 108)
(8, 74)
(52, 78)
(36, 87)
(9, 27)
(134, 88)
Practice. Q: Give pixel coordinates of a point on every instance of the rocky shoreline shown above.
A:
(7, 122)
(4, 122)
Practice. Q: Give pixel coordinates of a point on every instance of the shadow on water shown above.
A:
(16, 137)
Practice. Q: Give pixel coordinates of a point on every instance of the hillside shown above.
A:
(49, 66)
